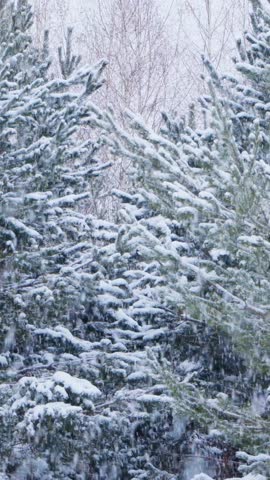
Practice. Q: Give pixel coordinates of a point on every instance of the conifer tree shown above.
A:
(77, 393)
(198, 220)
(46, 249)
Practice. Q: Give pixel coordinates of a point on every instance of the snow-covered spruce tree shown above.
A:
(77, 394)
(44, 174)
(47, 268)
(199, 224)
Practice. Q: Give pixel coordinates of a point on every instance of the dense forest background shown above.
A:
(134, 240)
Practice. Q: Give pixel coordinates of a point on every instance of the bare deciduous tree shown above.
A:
(143, 73)
(209, 27)
(154, 56)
